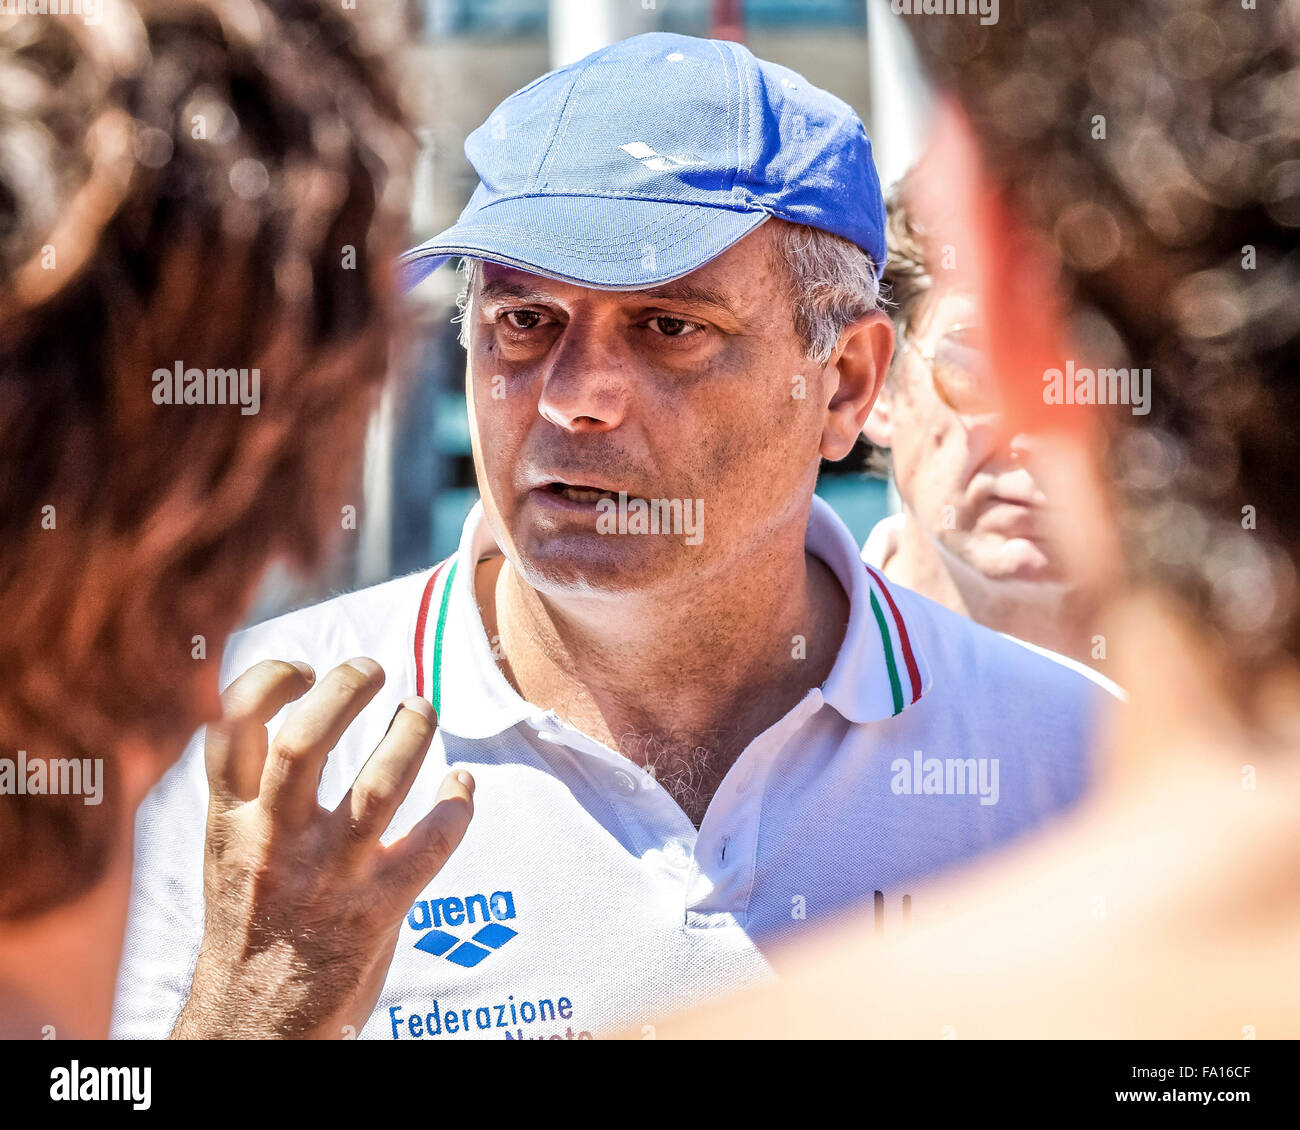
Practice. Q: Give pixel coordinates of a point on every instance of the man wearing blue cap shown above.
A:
(695, 720)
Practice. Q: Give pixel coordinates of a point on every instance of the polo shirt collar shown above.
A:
(455, 666)
(879, 671)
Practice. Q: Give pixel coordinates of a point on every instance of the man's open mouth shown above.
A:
(576, 492)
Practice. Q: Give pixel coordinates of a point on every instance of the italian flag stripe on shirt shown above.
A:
(901, 698)
(893, 643)
(435, 692)
(892, 667)
(421, 624)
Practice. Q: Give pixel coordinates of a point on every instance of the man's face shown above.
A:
(684, 392)
(964, 479)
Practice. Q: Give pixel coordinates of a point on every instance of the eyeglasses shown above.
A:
(959, 371)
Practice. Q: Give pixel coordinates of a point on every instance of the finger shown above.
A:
(387, 776)
(296, 758)
(409, 864)
(234, 748)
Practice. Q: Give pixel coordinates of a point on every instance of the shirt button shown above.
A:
(677, 854)
(624, 783)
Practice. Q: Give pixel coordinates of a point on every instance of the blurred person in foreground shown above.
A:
(1168, 905)
(690, 735)
(974, 531)
(179, 185)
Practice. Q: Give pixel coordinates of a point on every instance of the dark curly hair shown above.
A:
(221, 185)
(1179, 239)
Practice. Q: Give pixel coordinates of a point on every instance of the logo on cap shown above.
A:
(657, 161)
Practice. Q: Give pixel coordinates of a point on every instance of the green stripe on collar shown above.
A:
(435, 690)
(889, 653)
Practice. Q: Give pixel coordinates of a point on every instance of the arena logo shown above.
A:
(431, 917)
(683, 517)
(987, 10)
(179, 385)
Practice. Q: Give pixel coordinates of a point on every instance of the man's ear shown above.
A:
(858, 368)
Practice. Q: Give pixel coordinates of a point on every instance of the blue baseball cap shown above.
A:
(648, 158)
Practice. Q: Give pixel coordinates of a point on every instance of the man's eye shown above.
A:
(522, 319)
(673, 327)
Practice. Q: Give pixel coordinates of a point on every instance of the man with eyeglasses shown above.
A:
(974, 532)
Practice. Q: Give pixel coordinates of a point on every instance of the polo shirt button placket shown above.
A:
(677, 855)
(731, 851)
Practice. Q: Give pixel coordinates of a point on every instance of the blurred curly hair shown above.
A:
(1179, 237)
(190, 180)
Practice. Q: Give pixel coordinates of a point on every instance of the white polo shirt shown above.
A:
(582, 900)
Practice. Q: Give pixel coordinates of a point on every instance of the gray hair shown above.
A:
(832, 283)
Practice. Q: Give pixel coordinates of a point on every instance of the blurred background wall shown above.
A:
(459, 59)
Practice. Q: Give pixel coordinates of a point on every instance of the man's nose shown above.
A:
(585, 384)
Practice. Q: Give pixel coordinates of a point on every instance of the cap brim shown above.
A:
(595, 241)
